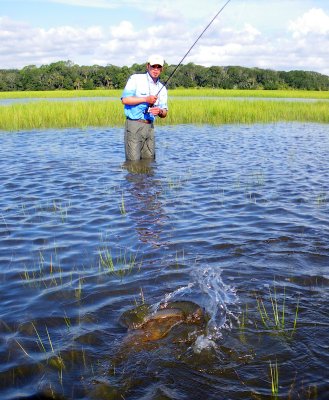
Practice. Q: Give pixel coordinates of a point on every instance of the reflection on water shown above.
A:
(142, 200)
(233, 219)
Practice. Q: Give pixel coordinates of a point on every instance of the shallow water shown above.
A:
(234, 218)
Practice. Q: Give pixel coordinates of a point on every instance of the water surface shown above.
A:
(234, 218)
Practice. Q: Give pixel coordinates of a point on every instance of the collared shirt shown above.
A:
(142, 85)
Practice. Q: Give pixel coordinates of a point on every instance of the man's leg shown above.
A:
(133, 140)
(148, 144)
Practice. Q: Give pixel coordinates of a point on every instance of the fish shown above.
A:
(146, 325)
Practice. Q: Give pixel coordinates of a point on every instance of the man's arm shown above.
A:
(134, 100)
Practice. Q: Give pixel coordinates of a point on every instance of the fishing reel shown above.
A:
(148, 110)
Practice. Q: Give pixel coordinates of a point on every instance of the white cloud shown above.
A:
(309, 46)
(248, 34)
(124, 31)
(22, 44)
(303, 45)
(315, 21)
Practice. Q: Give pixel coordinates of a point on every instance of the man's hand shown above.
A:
(158, 111)
(151, 99)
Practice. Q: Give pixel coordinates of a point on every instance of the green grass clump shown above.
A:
(216, 112)
(197, 110)
(274, 373)
(180, 92)
(60, 94)
(43, 115)
(122, 265)
(274, 317)
(208, 92)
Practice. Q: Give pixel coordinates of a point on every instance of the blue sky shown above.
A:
(274, 34)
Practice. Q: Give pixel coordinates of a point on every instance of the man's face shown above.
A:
(154, 70)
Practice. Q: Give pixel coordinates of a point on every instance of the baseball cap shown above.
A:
(155, 59)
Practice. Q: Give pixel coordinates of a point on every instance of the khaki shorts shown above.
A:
(139, 140)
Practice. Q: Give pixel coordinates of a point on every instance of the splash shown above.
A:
(215, 297)
(208, 290)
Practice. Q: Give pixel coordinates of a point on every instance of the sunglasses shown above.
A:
(156, 66)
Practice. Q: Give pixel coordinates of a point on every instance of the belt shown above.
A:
(144, 121)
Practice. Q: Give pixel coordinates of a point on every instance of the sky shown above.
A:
(280, 35)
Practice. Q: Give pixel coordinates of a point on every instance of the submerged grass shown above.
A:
(274, 373)
(273, 314)
(122, 265)
(274, 317)
(204, 107)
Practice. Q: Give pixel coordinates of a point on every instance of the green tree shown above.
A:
(69, 76)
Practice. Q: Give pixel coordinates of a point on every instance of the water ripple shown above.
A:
(236, 213)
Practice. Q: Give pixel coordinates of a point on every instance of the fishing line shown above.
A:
(188, 51)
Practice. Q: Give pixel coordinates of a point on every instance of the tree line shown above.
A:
(66, 75)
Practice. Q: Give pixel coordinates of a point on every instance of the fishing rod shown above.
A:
(188, 51)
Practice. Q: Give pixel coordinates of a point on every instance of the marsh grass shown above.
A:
(61, 209)
(67, 321)
(78, 290)
(287, 94)
(23, 349)
(39, 340)
(322, 199)
(45, 114)
(272, 313)
(274, 374)
(45, 209)
(208, 110)
(217, 112)
(273, 317)
(243, 319)
(121, 265)
(122, 206)
(178, 92)
(53, 358)
(179, 258)
(34, 94)
(47, 273)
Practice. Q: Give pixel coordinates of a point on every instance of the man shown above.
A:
(144, 99)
